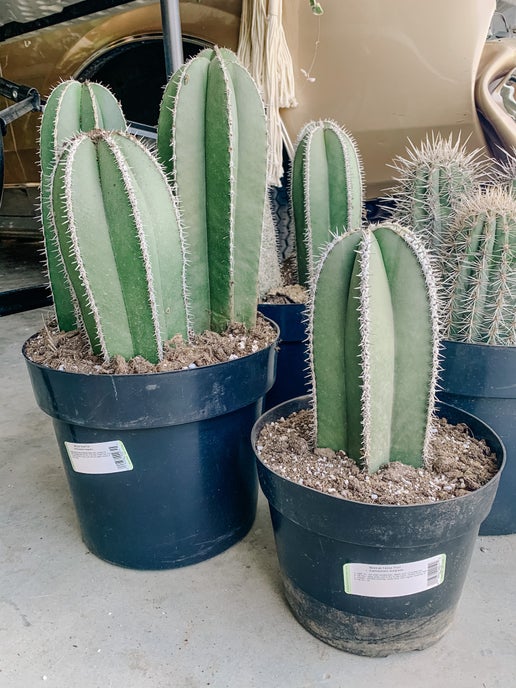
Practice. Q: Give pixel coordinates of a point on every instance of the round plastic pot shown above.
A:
(181, 484)
(371, 579)
(292, 373)
(481, 379)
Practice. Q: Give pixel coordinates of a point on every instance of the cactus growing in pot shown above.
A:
(121, 245)
(374, 346)
(431, 181)
(481, 279)
(212, 142)
(326, 190)
(72, 107)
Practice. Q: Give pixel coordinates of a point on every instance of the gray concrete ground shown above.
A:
(69, 619)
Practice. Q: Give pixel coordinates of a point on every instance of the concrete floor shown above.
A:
(67, 618)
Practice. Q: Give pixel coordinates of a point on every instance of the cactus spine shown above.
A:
(117, 228)
(374, 346)
(212, 141)
(326, 190)
(72, 107)
(482, 270)
(431, 180)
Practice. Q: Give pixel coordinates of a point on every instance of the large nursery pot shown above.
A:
(372, 579)
(160, 465)
(481, 379)
(292, 379)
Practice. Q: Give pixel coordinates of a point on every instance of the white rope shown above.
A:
(264, 51)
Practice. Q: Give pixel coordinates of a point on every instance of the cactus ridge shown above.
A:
(374, 354)
(480, 278)
(127, 275)
(71, 107)
(430, 182)
(327, 189)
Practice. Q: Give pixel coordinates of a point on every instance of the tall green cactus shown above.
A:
(117, 229)
(326, 190)
(431, 180)
(482, 270)
(212, 142)
(72, 107)
(374, 333)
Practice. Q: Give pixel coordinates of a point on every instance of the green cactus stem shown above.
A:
(430, 181)
(117, 227)
(326, 190)
(212, 141)
(72, 107)
(374, 334)
(482, 270)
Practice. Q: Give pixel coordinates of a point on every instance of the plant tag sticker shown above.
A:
(99, 457)
(394, 580)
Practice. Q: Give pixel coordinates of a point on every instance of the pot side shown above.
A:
(322, 539)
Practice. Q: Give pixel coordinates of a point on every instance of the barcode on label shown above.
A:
(433, 573)
(118, 458)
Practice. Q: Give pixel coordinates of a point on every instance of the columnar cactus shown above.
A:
(374, 333)
(212, 141)
(72, 107)
(482, 270)
(431, 180)
(326, 190)
(120, 244)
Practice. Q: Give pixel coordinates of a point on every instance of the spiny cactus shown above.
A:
(117, 229)
(374, 334)
(326, 190)
(504, 172)
(212, 141)
(431, 180)
(72, 107)
(482, 270)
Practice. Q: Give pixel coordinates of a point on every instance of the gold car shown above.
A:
(388, 72)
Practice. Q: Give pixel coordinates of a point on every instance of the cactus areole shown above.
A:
(374, 346)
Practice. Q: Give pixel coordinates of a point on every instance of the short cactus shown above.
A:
(72, 107)
(326, 190)
(117, 229)
(430, 181)
(482, 270)
(212, 141)
(374, 337)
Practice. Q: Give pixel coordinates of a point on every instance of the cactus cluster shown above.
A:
(464, 209)
(374, 333)
(136, 256)
(326, 190)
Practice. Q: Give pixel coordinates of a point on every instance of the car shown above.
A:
(388, 72)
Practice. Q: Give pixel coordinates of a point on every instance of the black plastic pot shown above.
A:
(192, 489)
(292, 372)
(481, 379)
(336, 555)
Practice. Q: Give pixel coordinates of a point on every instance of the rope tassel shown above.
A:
(264, 51)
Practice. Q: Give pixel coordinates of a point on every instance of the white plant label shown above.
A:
(394, 580)
(99, 457)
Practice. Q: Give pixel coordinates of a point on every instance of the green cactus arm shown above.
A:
(123, 271)
(212, 141)
(327, 189)
(374, 366)
(71, 107)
